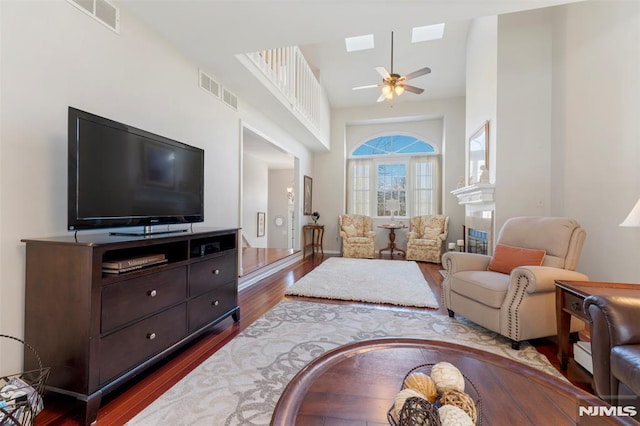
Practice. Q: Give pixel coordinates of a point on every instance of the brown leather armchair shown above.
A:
(615, 347)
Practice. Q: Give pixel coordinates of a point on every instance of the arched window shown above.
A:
(393, 144)
(394, 175)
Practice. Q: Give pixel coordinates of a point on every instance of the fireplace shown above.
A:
(477, 241)
(479, 209)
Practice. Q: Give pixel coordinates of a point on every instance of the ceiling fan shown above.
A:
(395, 83)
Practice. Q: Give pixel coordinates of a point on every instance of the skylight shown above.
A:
(359, 43)
(426, 33)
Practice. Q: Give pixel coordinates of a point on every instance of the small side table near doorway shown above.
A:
(391, 247)
(317, 234)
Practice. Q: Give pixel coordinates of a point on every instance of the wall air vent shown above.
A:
(209, 84)
(230, 99)
(101, 10)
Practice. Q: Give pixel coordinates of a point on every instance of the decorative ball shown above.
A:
(446, 376)
(461, 400)
(418, 412)
(402, 396)
(422, 383)
(450, 415)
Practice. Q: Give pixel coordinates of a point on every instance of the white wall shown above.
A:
(255, 195)
(596, 131)
(55, 56)
(329, 170)
(481, 82)
(279, 181)
(567, 134)
(524, 114)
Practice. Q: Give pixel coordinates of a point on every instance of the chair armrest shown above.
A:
(411, 235)
(620, 314)
(442, 236)
(454, 261)
(541, 279)
(612, 325)
(370, 234)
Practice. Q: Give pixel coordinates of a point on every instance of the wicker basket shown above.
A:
(417, 411)
(21, 393)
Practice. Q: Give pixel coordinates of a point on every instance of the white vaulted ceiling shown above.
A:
(212, 32)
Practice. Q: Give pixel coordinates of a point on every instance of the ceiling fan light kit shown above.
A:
(395, 83)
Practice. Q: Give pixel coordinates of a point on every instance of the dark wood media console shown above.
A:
(96, 330)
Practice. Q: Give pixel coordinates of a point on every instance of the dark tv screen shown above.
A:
(123, 176)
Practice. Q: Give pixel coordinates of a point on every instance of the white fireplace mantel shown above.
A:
(481, 193)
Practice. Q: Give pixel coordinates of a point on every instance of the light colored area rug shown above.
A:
(367, 280)
(241, 383)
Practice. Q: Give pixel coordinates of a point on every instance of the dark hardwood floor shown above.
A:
(254, 258)
(120, 406)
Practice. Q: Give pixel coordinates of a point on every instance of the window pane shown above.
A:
(423, 191)
(360, 189)
(391, 190)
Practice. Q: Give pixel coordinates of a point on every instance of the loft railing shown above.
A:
(289, 71)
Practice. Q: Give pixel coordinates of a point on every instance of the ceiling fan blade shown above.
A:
(383, 72)
(370, 86)
(412, 89)
(381, 98)
(418, 73)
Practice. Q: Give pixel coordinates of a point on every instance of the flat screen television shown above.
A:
(121, 176)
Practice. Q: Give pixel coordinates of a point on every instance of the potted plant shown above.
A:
(315, 216)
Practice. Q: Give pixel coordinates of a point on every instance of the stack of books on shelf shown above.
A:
(127, 265)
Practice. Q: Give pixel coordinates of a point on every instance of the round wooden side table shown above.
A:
(392, 240)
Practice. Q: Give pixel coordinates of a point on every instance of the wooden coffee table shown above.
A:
(357, 384)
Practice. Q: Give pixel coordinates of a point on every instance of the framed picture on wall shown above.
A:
(478, 154)
(262, 217)
(306, 210)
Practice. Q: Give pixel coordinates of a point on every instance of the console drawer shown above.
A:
(126, 301)
(134, 344)
(210, 306)
(209, 274)
(574, 304)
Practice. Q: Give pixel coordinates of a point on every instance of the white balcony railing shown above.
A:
(289, 71)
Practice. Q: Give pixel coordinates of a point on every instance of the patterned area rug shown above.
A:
(241, 383)
(367, 280)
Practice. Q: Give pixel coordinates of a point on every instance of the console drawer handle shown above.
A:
(152, 293)
(216, 272)
(575, 306)
(151, 336)
(215, 303)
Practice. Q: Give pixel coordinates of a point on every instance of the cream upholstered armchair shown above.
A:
(502, 294)
(426, 237)
(357, 236)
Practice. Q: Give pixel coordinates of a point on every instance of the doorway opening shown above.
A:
(268, 203)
